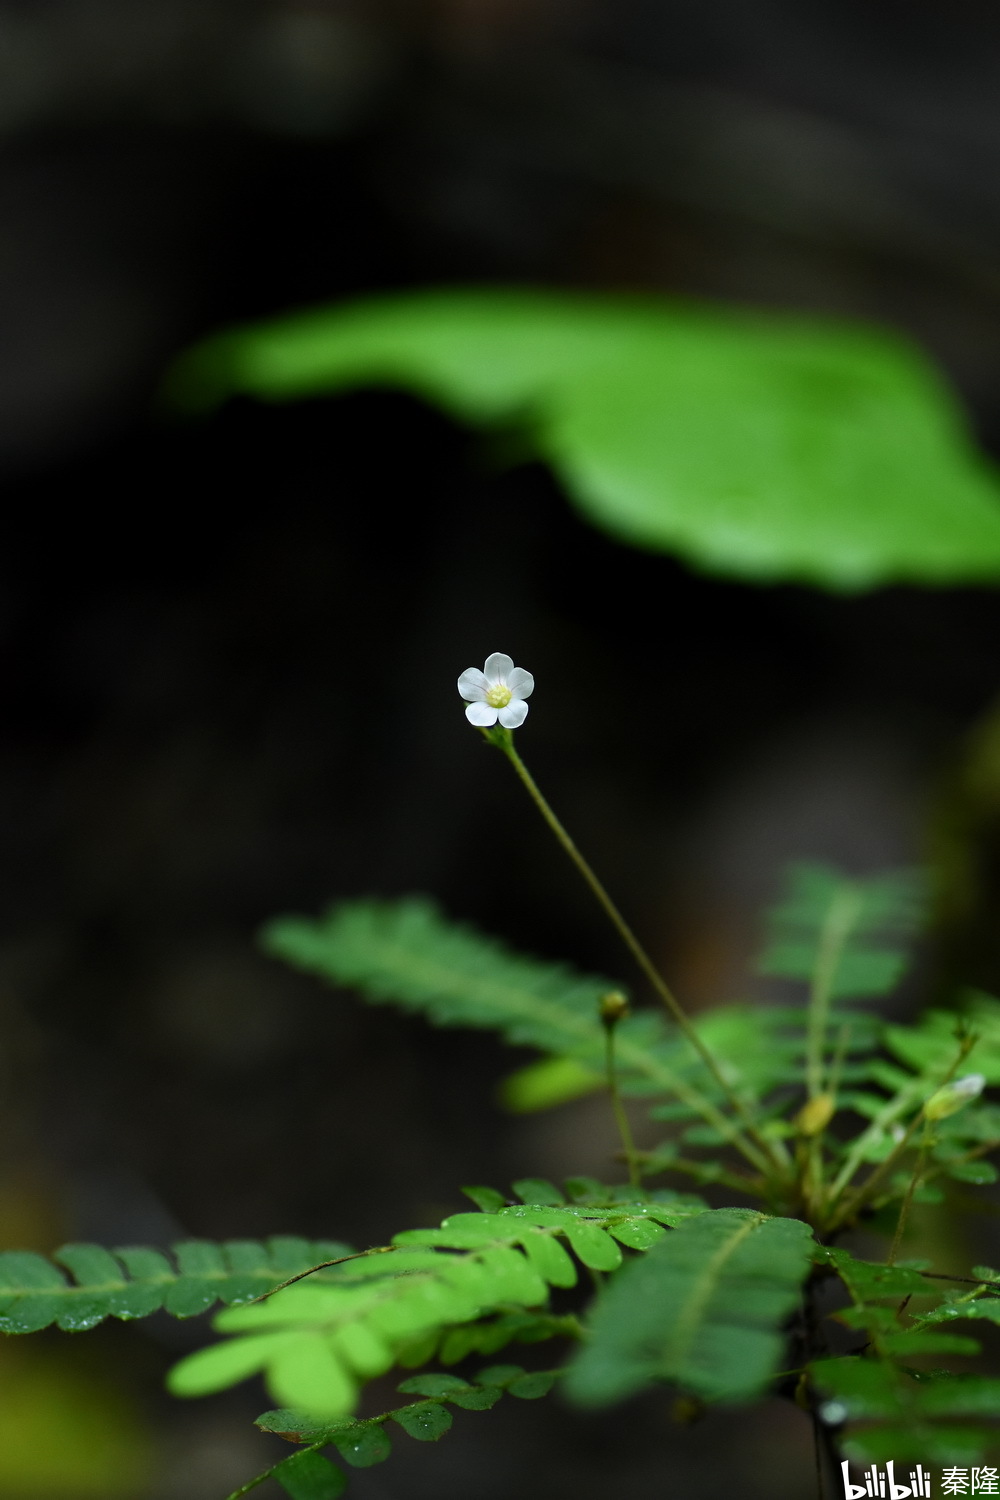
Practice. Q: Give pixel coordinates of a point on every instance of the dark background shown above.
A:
(228, 650)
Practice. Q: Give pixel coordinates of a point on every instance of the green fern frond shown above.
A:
(132, 1281)
(703, 1309)
(891, 1409)
(363, 1443)
(859, 930)
(317, 1341)
(929, 1046)
(406, 953)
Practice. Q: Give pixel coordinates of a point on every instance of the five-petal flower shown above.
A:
(497, 692)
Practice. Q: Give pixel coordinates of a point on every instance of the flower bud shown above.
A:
(815, 1115)
(613, 1007)
(954, 1096)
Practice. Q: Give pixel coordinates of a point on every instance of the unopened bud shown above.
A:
(816, 1114)
(954, 1096)
(613, 1007)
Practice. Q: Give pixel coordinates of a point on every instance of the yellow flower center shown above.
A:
(498, 696)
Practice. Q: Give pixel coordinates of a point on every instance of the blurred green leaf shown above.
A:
(703, 1308)
(550, 1081)
(758, 445)
(874, 920)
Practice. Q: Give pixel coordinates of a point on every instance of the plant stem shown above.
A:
(621, 1117)
(907, 1203)
(504, 741)
(854, 1202)
(844, 912)
(973, 1155)
(866, 1188)
(252, 1484)
(706, 1173)
(897, 1105)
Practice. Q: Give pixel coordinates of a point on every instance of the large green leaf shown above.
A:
(758, 445)
(703, 1308)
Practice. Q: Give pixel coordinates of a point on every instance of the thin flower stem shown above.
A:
(621, 1117)
(639, 954)
(907, 1203)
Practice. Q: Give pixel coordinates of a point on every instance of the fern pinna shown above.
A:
(821, 1117)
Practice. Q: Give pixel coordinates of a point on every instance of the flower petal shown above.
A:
(497, 667)
(521, 683)
(472, 685)
(514, 714)
(482, 715)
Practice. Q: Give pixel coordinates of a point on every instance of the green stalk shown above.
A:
(621, 1116)
(857, 1199)
(907, 1203)
(252, 1484)
(865, 1190)
(894, 1107)
(764, 1158)
(843, 914)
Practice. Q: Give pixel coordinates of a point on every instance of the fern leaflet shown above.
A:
(704, 1308)
(317, 1340)
(855, 933)
(133, 1281)
(893, 1409)
(364, 1442)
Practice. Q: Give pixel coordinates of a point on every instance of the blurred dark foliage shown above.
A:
(229, 650)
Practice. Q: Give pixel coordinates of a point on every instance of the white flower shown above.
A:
(497, 692)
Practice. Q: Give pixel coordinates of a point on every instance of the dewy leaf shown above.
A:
(432, 1385)
(906, 1411)
(759, 445)
(308, 1476)
(703, 1308)
(133, 1281)
(474, 1284)
(426, 1420)
(363, 1445)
